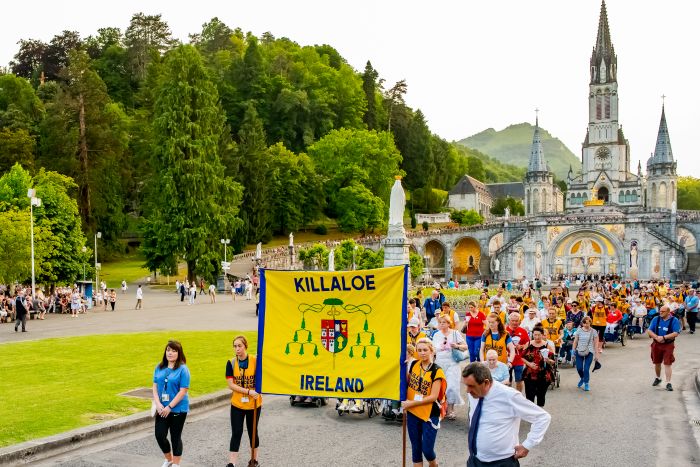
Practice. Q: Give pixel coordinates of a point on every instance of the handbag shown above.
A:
(458, 355)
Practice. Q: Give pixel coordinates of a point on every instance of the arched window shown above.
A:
(621, 197)
(535, 201)
(662, 196)
(598, 107)
(633, 196)
(653, 195)
(607, 104)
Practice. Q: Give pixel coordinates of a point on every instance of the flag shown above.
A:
(333, 334)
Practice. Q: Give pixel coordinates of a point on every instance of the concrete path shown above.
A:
(162, 310)
(622, 421)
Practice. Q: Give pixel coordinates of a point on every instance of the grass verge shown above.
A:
(129, 268)
(55, 385)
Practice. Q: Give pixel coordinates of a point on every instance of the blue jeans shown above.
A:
(583, 366)
(422, 435)
(474, 345)
(565, 351)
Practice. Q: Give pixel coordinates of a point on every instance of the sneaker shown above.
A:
(692, 332)
(356, 409)
(342, 407)
(166, 463)
(669, 387)
(585, 387)
(656, 382)
(230, 465)
(580, 383)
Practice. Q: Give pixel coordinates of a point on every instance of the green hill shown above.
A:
(512, 145)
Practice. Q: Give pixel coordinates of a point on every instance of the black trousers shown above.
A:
(174, 423)
(22, 320)
(507, 462)
(536, 388)
(692, 319)
(237, 418)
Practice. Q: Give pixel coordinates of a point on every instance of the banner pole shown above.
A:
(255, 420)
(403, 451)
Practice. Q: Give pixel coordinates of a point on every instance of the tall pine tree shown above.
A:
(192, 204)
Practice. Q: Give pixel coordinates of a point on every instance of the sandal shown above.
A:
(452, 416)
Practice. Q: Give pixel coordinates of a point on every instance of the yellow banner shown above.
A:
(333, 334)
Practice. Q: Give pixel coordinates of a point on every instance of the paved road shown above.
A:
(622, 421)
(162, 310)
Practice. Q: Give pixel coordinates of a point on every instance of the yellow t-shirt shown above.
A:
(552, 329)
(246, 379)
(561, 312)
(412, 340)
(598, 315)
(420, 382)
(499, 346)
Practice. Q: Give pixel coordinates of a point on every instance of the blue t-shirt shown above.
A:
(691, 303)
(176, 379)
(660, 327)
(495, 336)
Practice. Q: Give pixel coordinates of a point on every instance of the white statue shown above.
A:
(331, 260)
(291, 239)
(673, 207)
(672, 262)
(496, 265)
(507, 212)
(397, 204)
(258, 251)
(633, 255)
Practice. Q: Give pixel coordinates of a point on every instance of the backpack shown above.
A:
(442, 397)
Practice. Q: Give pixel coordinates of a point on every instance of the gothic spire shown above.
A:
(663, 152)
(603, 59)
(537, 162)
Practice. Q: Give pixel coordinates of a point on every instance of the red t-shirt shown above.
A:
(524, 340)
(475, 325)
(614, 316)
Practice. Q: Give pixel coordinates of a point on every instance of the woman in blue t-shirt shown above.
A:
(171, 381)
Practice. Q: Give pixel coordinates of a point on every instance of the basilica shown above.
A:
(611, 219)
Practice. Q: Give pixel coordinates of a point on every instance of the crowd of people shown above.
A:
(518, 340)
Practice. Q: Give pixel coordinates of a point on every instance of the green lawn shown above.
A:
(55, 385)
(129, 268)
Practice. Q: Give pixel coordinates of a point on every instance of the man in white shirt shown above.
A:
(530, 320)
(139, 298)
(212, 293)
(495, 414)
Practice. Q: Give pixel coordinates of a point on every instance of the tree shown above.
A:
(689, 193)
(348, 157)
(515, 205)
(418, 157)
(475, 168)
(20, 108)
(253, 163)
(466, 217)
(370, 86)
(146, 36)
(359, 210)
(416, 265)
(314, 257)
(393, 98)
(191, 204)
(296, 197)
(58, 238)
(16, 147)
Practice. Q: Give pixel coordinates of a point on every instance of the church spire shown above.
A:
(537, 162)
(663, 152)
(603, 59)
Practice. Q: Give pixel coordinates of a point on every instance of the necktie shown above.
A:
(474, 427)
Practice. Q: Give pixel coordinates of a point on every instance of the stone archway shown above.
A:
(588, 252)
(466, 258)
(435, 259)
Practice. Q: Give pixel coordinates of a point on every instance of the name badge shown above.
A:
(165, 397)
(244, 399)
(418, 397)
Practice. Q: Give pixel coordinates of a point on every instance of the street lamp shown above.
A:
(225, 242)
(354, 250)
(33, 201)
(84, 249)
(97, 269)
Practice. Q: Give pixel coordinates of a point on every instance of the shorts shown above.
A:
(517, 373)
(601, 332)
(662, 353)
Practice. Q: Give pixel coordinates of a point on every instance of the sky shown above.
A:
(470, 65)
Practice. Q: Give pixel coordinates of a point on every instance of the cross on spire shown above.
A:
(663, 99)
(537, 116)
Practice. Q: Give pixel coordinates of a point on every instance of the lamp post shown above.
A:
(33, 201)
(83, 249)
(225, 242)
(97, 270)
(354, 250)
